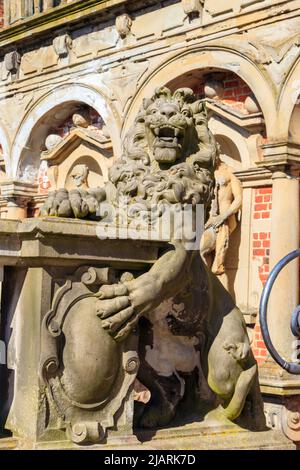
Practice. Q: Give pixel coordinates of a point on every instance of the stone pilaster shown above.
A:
(280, 388)
(284, 239)
(17, 195)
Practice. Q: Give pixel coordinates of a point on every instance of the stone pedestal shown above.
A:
(50, 267)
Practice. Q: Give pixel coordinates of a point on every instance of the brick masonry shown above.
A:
(235, 92)
(1, 13)
(262, 211)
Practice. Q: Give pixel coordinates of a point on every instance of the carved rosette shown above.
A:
(88, 375)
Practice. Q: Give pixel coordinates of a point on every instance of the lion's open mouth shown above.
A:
(167, 136)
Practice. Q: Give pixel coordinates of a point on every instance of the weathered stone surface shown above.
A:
(112, 72)
(222, 220)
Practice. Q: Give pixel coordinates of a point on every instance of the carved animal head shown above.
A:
(169, 151)
(170, 128)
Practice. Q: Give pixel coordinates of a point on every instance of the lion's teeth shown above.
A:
(176, 132)
(156, 131)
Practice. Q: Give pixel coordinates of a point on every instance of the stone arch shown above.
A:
(288, 105)
(6, 145)
(69, 93)
(209, 57)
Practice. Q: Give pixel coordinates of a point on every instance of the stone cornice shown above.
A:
(17, 188)
(280, 155)
(72, 141)
(252, 122)
(84, 11)
(59, 17)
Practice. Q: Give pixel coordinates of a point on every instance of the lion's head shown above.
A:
(169, 155)
(170, 128)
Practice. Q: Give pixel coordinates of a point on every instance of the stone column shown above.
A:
(17, 194)
(37, 8)
(284, 239)
(47, 4)
(6, 12)
(17, 207)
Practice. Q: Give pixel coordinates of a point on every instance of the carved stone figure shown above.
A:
(78, 203)
(192, 7)
(222, 221)
(12, 62)
(62, 45)
(193, 348)
(123, 25)
(80, 175)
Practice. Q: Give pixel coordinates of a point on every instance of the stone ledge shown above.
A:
(195, 436)
(60, 242)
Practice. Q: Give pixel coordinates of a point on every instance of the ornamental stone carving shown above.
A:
(123, 25)
(62, 45)
(12, 62)
(52, 141)
(222, 219)
(192, 8)
(172, 326)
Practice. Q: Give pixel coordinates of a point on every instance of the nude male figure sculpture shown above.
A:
(222, 220)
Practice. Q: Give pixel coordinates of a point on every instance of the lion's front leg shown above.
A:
(121, 305)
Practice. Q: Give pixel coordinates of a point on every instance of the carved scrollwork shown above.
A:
(87, 373)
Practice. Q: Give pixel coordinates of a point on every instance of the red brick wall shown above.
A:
(1, 13)
(262, 210)
(235, 92)
(258, 346)
(261, 240)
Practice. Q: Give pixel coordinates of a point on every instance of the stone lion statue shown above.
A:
(194, 350)
(189, 325)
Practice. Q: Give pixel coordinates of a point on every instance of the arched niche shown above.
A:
(95, 176)
(208, 59)
(229, 152)
(51, 110)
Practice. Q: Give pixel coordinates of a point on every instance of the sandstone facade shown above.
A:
(73, 76)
